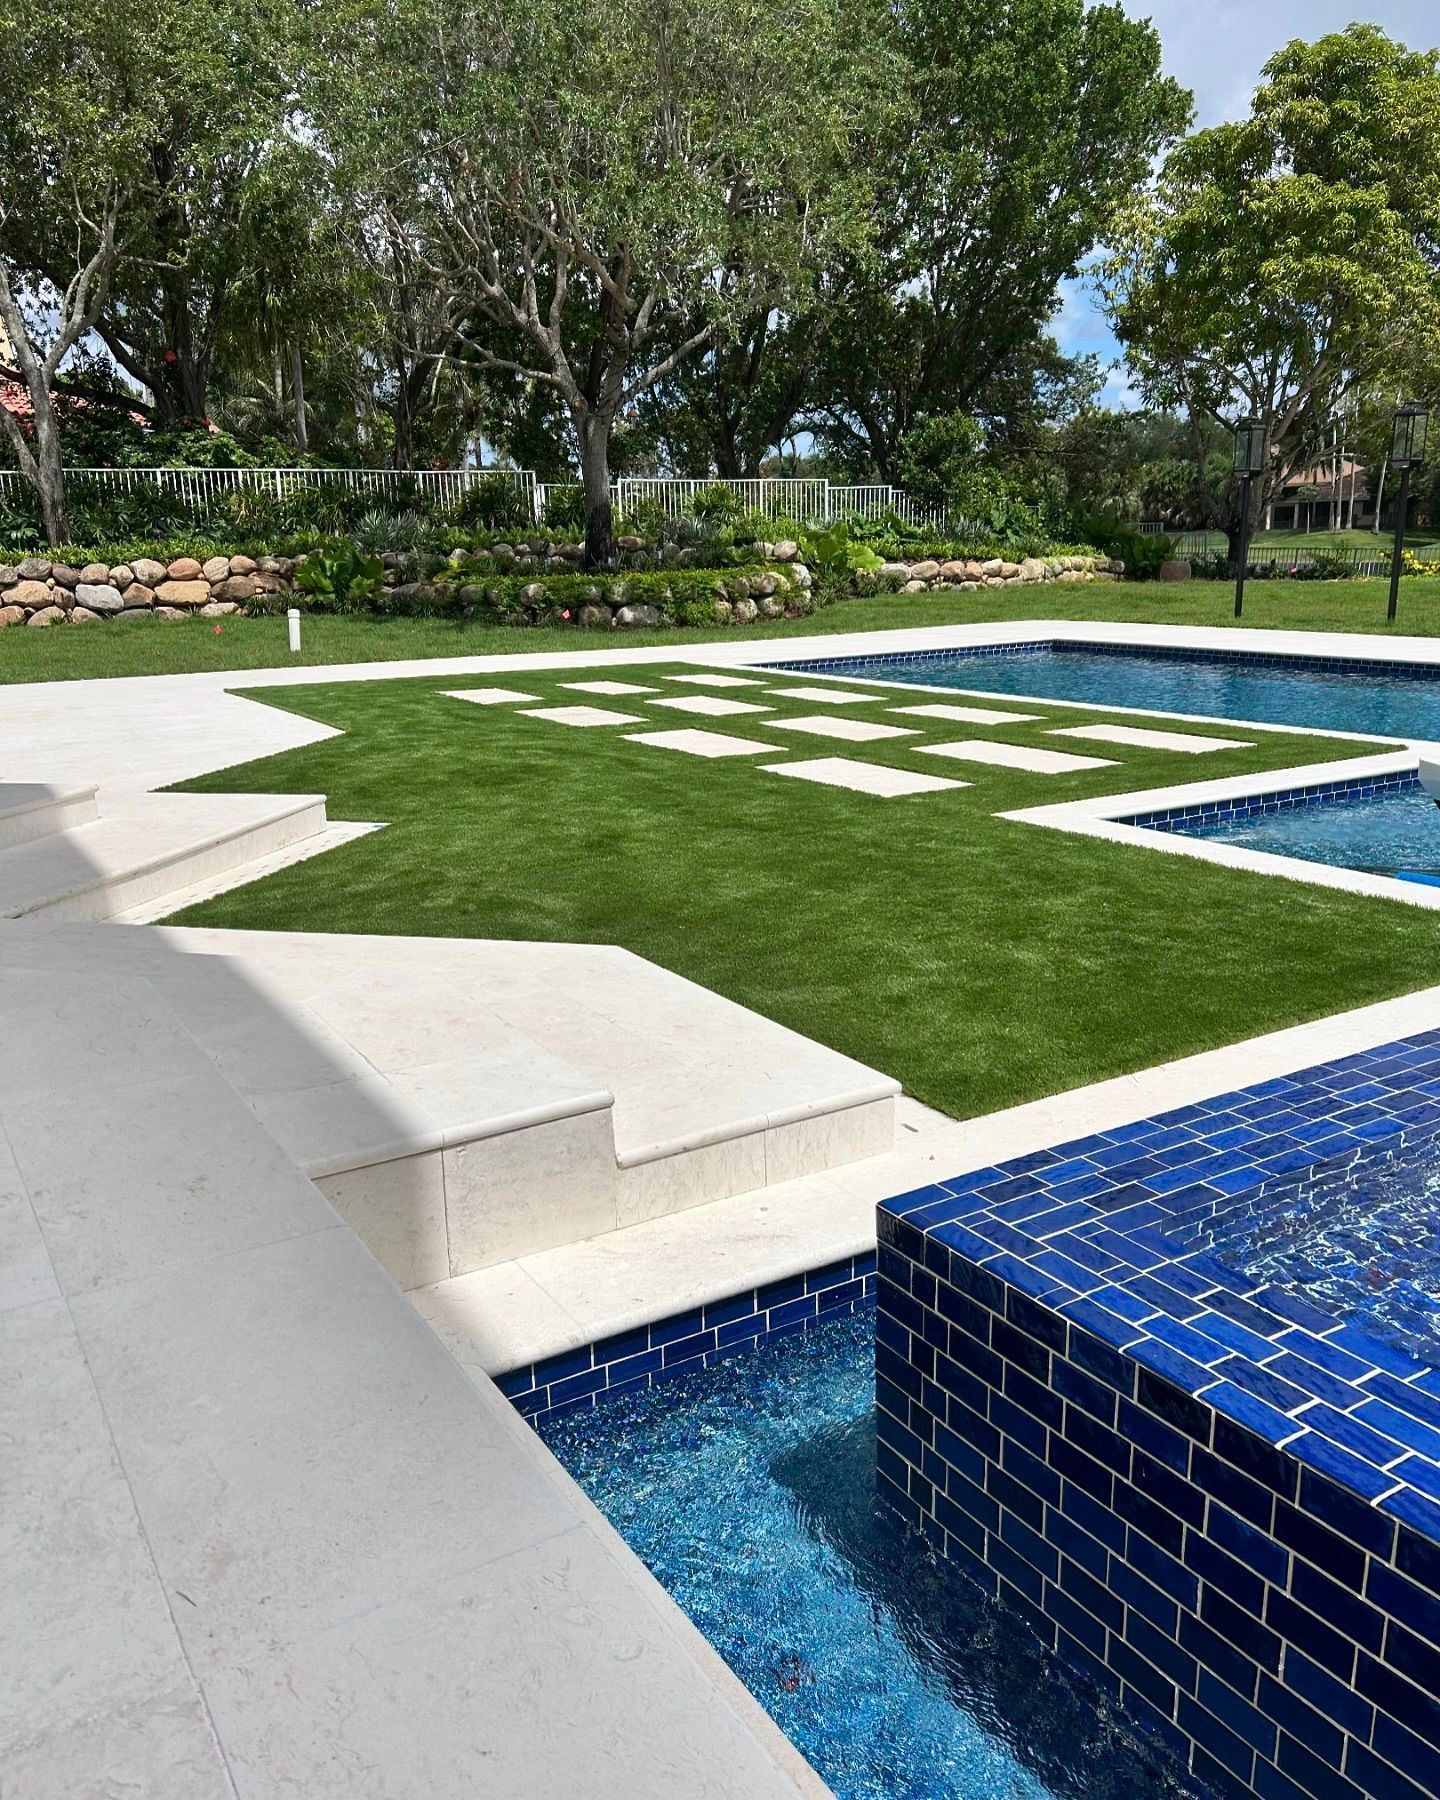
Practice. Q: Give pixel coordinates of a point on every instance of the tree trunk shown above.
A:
(404, 452)
(50, 483)
(297, 391)
(593, 431)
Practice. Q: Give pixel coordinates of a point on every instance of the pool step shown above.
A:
(141, 848)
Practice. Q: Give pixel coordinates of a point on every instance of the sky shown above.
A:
(1216, 48)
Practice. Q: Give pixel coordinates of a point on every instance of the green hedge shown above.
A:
(681, 597)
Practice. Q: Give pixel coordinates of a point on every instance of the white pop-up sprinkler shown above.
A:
(292, 619)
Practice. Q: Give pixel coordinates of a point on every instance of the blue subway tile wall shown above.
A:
(690, 1340)
(1219, 1499)
(1315, 793)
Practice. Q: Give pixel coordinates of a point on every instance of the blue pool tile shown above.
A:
(1340, 1465)
(1373, 1445)
(1248, 1410)
(1402, 1427)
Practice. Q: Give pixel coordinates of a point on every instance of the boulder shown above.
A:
(974, 571)
(762, 586)
(800, 575)
(1010, 570)
(99, 573)
(590, 616)
(1175, 570)
(98, 597)
(745, 612)
(284, 566)
(64, 576)
(82, 615)
(245, 565)
(120, 576)
(952, 571)
(215, 568)
(218, 609)
(992, 567)
(646, 615)
(11, 615)
(895, 571)
(34, 568)
(179, 592)
(725, 612)
(134, 612)
(8, 575)
(628, 541)
(914, 587)
(568, 552)
(738, 587)
(1032, 569)
(47, 615)
(184, 568)
(170, 612)
(148, 571)
(925, 570)
(30, 594)
(238, 588)
(787, 550)
(137, 595)
(505, 552)
(266, 583)
(770, 607)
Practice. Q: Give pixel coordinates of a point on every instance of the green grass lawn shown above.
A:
(68, 654)
(981, 961)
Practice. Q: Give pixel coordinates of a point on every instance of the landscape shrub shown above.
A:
(1142, 554)
(342, 574)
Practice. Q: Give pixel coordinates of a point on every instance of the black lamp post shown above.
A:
(1249, 461)
(1409, 430)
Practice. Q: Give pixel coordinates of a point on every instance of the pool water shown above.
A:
(1382, 833)
(1361, 1246)
(749, 1490)
(1348, 699)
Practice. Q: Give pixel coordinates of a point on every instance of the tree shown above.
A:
(75, 76)
(1285, 261)
(598, 191)
(1019, 132)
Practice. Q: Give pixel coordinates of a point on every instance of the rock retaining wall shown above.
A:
(40, 593)
(969, 572)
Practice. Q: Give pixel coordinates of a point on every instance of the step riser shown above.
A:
(123, 891)
(45, 821)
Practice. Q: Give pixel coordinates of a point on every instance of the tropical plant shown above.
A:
(343, 575)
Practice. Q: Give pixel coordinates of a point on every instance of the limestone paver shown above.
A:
(1014, 756)
(581, 715)
(608, 687)
(1189, 743)
(711, 706)
(826, 725)
(496, 696)
(967, 715)
(864, 778)
(824, 696)
(717, 681)
(702, 743)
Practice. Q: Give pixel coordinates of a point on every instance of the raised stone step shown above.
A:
(144, 846)
(38, 809)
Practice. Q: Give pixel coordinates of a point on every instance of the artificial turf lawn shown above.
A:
(168, 648)
(981, 961)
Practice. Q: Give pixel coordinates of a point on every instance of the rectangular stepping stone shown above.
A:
(864, 778)
(1187, 742)
(717, 680)
(967, 715)
(608, 687)
(712, 705)
(827, 696)
(488, 696)
(1014, 756)
(856, 731)
(702, 743)
(582, 715)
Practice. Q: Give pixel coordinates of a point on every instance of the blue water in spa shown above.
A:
(1383, 834)
(1215, 687)
(1360, 1246)
(749, 1490)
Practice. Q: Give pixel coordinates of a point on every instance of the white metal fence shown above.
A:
(201, 488)
(810, 500)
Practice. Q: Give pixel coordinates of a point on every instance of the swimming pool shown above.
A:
(1382, 833)
(749, 1490)
(1398, 701)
